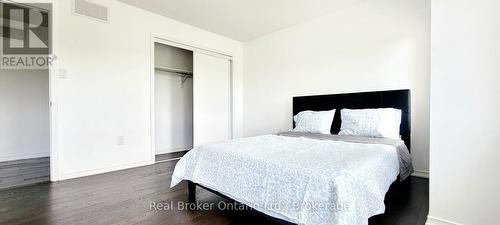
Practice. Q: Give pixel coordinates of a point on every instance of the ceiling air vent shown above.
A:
(91, 10)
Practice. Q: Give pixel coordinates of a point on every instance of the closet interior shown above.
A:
(192, 98)
(173, 101)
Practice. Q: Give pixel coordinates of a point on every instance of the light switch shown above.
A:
(121, 140)
(62, 74)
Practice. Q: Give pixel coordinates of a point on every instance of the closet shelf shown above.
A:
(174, 70)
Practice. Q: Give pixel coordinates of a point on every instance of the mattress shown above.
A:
(300, 179)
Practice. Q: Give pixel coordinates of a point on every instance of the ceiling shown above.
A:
(240, 19)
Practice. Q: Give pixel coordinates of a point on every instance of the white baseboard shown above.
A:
(170, 150)
(421, 173)
(27, 156)
(103, 170)
(436, 221)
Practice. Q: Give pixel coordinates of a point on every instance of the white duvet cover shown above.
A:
(297, 179)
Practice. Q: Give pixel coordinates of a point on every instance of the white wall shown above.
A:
(106, 92)
(173, 101)
(370, 45)
(173, 57)
(24, 114)
(465, 112)
(173, 113)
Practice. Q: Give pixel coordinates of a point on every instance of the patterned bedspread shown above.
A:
(301, 180)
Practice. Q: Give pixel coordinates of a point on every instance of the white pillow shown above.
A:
(314, 121)
(383, 122)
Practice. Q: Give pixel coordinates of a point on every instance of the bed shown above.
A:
(304, 178)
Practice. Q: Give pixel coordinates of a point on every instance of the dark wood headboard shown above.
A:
(399, 99)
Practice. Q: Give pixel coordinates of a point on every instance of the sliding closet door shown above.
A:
(211, 99)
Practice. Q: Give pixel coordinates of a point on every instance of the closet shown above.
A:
(192, 99)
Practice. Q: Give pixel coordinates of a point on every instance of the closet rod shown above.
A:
(174, 70)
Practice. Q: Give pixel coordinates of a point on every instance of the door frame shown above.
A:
(157, 38)
(53, 68)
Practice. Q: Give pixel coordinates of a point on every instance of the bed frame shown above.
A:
(399, 99)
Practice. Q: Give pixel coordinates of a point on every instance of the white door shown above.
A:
(211, 99)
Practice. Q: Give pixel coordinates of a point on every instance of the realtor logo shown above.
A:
(26, 35)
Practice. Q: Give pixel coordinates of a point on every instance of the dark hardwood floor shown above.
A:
(24, 172)
(125, 197)
(169, 156)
